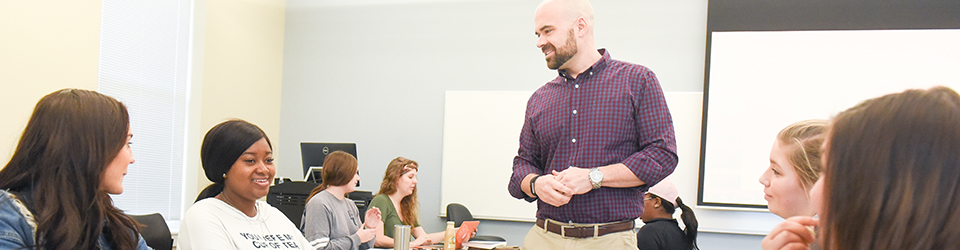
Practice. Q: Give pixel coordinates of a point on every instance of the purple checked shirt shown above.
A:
(614, 112)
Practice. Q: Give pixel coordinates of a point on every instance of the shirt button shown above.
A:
(574, 111)
(576, 86)
(591, 73)
(574, 140)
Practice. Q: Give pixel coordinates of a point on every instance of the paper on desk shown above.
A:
(484, 244)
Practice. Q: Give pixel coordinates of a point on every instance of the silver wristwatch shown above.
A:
(595, 177)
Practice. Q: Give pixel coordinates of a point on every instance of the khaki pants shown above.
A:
(538, 238)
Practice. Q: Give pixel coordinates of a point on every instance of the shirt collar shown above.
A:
(597, 66)
(661, 219)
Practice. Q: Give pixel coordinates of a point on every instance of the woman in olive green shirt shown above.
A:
(397, 201)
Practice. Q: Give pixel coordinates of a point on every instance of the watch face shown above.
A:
(596, 176)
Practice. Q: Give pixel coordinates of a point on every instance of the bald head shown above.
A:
(565, 34)
(567, 10)
(564, 15)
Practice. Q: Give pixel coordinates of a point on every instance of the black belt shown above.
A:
(586, 231)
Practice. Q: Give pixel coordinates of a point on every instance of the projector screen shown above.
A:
(761, 82)
(772, 63)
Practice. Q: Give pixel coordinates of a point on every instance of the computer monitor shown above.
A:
(313, 154)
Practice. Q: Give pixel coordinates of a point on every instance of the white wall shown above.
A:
(43, 47)
(375, 73)
(236, 70)
(240, 50)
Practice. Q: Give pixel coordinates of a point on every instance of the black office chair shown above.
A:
(155, 231)
(207, 192)
(458, 213)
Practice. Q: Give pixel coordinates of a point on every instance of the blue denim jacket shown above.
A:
(17, 226)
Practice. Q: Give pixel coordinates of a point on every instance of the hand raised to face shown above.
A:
(794, 233)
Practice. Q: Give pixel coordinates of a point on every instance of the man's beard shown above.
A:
(563, 54)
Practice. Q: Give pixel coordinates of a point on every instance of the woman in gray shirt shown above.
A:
(330, 220)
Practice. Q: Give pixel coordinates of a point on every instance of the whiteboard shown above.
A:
(481, 134)
(481, 131)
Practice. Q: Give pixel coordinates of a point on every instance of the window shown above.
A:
(144, 53)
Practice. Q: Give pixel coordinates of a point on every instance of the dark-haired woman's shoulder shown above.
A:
(17, 225)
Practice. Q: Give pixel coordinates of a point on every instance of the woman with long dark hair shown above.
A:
(660, 230)
(891, 178)
(56, 188)
(238, 158)
(330, 220)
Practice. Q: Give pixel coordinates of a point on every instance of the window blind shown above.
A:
(144, 55)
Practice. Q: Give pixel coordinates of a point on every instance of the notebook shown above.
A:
(465, 232)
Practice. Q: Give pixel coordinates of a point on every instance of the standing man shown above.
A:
(593, 139)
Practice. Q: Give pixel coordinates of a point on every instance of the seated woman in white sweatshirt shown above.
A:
(238, 158)
(330, 220)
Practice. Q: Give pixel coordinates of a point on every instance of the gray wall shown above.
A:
(375, 72)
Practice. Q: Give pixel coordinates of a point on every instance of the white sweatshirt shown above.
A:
(213, 224)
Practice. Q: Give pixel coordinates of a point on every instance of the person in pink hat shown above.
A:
(660, 229)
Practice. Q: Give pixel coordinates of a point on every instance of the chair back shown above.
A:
(458, 213)
(155, 231)
(207, 192)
